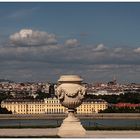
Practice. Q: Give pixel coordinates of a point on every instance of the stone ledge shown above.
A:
(53, 132)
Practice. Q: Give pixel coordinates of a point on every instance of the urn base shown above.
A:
(71, 127)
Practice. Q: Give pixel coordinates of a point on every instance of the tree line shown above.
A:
(127, 97)
(112, 109)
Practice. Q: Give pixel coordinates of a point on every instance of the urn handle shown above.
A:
(60, 93)
(81, 92)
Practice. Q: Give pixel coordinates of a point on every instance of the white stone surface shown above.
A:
(69, 78)
(71, 130)
(28, 132)
(71, 127)
(70, 92)
(53, 132)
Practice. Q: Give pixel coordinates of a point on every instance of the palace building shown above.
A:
(90, 106)
(51, 106)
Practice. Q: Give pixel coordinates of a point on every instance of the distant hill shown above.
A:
(5, 80)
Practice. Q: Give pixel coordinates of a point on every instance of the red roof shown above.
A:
(126, 105)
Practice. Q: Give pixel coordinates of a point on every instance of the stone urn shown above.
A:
(71, 92)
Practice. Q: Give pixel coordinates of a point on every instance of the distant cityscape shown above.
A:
(31, 88)
(37, 98)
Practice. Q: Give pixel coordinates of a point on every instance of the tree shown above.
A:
(42, 95)
(51, 89)
(3, 96)
(127, 98)
(113, 109)
(5, 111)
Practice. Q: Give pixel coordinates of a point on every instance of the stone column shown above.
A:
(71, 92)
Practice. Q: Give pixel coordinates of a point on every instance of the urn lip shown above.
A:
(70, 78)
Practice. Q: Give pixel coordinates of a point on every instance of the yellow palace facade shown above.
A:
(50, 106)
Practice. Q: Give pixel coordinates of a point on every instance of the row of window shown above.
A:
(7, 106)
(55, 110)
(93, 105)
(32, 108)
(24, 102)
(52, 101)
(58, 105)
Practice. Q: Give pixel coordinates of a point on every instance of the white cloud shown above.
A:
(100, 48)
(51, 59)
(137, 50)
(72, 43)
(29, 37)
(117, 50)
(23, 12)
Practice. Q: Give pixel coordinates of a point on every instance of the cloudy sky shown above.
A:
(41, 41)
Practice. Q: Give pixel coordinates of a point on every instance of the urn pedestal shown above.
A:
(71, 93)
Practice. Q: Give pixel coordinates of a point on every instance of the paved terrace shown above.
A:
(53, 132)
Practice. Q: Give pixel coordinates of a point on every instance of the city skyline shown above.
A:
(41, 41)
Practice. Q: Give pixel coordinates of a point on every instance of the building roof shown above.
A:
(93, 100)
(126, 105)
(22, 100)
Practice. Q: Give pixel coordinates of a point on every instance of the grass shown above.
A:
(55, 136)
(20, 127)
(112, 128)
(87, 128)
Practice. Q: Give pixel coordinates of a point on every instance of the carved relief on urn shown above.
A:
(70, 92)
